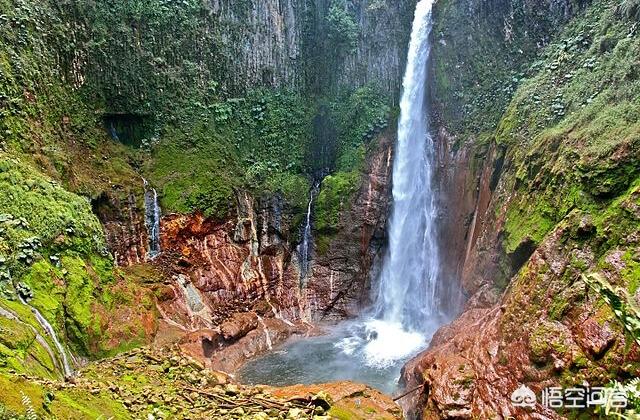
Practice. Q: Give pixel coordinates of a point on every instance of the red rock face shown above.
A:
(541, 334)
(218, 268)
(124, 228)
(340, 280)
(224, 284)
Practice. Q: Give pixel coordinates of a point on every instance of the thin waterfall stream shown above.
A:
(48, 328)
(152, 219)
(408, 298)
(305, 247)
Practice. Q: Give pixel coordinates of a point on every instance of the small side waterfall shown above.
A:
(152, 219)
(266, 333)
(305, 247)
(39, 338)
(68, 370)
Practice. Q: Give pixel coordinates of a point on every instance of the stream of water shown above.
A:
(48, 328)
(152, 219)
(305, 247)
(408, 297)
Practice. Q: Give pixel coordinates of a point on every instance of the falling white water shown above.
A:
(152, 219)
(406, 309)
(267, 337)
(304, 249)
(410, 297)
(68, 370)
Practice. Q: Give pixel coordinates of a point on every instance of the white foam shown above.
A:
(390, 343)
(380, 344)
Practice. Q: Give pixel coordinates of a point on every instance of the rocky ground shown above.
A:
(164, 384)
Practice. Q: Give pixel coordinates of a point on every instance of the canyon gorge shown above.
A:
(288, 208)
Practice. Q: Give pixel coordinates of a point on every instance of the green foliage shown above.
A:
(39, 216)
(359, 116)
(621, 303)
(271, 128)
(631, 391)
(475, 81)
(292, 186)
(343, 31)
(45, 401)
(139, 49)
(257, 142)
(629, 9)
(573, 127)
(333, 198)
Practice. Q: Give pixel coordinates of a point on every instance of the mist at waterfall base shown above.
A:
(411, 300)
(348, 351)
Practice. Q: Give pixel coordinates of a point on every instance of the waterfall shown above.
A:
(48, 328)
(410, 299)
(267, 337)
(407, 300)
(304, 249)
(407, 291)
(152, 219)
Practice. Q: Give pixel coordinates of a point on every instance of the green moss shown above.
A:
(546, 338)
(341, 413)
(259, 146)
(20, 351)
(474, 82)
(77, 300)
(63, 404)
(527, 223)
(333, 198)
(36, 207)
(293, 187)
(631, 273)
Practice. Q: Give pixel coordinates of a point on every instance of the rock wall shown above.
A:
(124, 227)
(378, 55)
(546, 220)
(339, 284)
(230, 289)
(162, 54)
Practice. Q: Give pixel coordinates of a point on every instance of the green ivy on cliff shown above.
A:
(53, 254)
(343, 29)
(483, 53)
(574, 127)
(359, 116)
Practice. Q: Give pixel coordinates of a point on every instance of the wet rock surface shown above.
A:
(474, 364)
(340, 279)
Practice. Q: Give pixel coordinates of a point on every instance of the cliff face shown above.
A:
(228, 290)
(546, 230)
(338, 285)
(214, 103)
(374, 50)
(151, 56)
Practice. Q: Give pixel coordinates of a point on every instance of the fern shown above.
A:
(629, 9)
(631, 390)
(618, 299)
(30, 412)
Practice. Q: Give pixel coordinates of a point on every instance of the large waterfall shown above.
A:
(407, 311)
(407, 286)
(406, 306)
